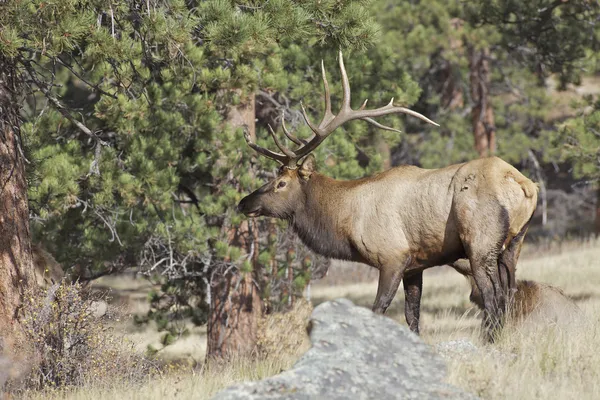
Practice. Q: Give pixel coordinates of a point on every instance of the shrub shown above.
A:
(74, 346)
(284, 333)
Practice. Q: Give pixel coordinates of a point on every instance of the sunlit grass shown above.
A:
(551, 362)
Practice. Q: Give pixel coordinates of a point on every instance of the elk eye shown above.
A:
(281, 184)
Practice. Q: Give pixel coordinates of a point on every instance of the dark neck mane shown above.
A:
(321, 223)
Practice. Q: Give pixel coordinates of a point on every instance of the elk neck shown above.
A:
(324, 219)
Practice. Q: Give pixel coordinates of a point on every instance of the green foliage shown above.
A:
(578, 141)
(152, 81)
(153, 177)
(551, 36)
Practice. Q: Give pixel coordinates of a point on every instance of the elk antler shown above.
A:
(329, 123)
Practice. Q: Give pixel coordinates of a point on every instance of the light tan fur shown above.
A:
(47, 270)
(405, 219)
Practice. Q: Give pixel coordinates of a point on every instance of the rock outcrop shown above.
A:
(356, 354)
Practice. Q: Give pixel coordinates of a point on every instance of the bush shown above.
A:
(73, 346)
(284, 333)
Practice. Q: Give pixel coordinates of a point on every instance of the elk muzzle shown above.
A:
(249, 206)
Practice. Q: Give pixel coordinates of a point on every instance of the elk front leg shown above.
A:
(389, 280)
(413, 287)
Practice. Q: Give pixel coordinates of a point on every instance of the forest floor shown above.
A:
(552, 363)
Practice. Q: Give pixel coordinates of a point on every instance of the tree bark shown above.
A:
(449, 73)
(235, 310)
(482, 114)
(236, 305)
(16, 267)
(597, 219)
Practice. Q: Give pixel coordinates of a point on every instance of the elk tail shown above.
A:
(529, 188)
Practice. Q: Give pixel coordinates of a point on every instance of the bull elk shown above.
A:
(404, 220)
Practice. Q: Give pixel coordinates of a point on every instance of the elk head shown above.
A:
(282, 196)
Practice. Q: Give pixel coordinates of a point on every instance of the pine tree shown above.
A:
(16, 268)
(577, 141)
(546, 37)
(137, 157)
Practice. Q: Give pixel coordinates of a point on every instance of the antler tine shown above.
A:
(289, 135)
(381, 126)
(345, 86)
(315, 129)
(281, 158)
(285, 150)
(331, 122)
(389, 109)
(328, 114)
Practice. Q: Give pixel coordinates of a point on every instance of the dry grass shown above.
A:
(277, 353)
(550, 363)
(180, 384)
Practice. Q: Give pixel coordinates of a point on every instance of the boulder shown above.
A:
(356, 354)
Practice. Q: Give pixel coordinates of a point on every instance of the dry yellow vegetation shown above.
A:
(549, 363)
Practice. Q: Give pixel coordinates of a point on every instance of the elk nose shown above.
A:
(242, 205)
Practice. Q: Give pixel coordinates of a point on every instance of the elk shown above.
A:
(404, 220)
(535, 304)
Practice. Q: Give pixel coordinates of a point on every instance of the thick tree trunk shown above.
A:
(235, 311)
(482, 114)
(16, 268)
(449, 73)
(597, 219)
(236, 305)
(452, 94)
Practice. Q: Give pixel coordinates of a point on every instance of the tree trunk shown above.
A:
(449, 73)
(235, 310)
(236, 305)
(482, 114)
(597, 219)
(16, 268)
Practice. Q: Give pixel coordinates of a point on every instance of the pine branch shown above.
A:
(57, 104)
(81, 78)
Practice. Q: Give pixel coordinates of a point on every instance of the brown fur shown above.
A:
(539, 303)
(407, 219)
(47, 270)
(533, 303)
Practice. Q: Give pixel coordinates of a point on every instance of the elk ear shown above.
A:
(308, 166)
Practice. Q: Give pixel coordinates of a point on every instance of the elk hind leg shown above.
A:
(508, 263)
(483, 228)
(487, 278)
(413, 287)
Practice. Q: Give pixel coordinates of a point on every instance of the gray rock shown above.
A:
(356, 354)
(99, 308)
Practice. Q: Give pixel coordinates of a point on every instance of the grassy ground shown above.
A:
(549, 363)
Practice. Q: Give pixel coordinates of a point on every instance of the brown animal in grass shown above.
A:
(405, 219)
(47, 270)
(537, 304)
